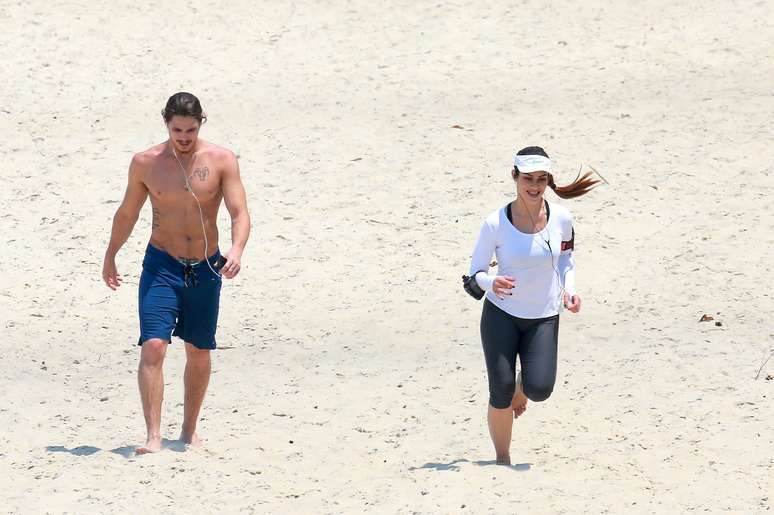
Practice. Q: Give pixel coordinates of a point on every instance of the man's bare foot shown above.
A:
(151, 446)
(503, 460)
(519, 401)
(193, 440)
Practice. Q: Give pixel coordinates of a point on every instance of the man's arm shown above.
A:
(124, 220)
(236, 203)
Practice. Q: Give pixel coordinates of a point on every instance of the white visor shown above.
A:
(529, 164)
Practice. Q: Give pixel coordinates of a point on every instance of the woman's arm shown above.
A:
(500, 285)
(566, 263)
(566, 266)
(482, 256)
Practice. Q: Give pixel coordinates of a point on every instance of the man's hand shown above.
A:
(125, 218)
(572, 303)
(233, 263)
(110, 273)
(236, 202)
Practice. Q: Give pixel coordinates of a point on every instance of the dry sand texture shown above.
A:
(351, 378)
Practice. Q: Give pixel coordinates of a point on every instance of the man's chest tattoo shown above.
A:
(201, 173)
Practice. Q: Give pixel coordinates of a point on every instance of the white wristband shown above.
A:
(485, 280)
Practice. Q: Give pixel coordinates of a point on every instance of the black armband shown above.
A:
(471, 286)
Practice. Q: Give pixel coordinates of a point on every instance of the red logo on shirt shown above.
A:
(569, 245)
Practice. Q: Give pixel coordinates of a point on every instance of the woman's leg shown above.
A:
(519, 402)
(500, 341)
(538, 356)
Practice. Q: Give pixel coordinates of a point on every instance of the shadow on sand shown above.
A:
(129, 451)
(454, 465)
(521, 467)
(81, 450)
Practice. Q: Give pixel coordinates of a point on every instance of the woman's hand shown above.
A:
(502, 286)
(572, 303)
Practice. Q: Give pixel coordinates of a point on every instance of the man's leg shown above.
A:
(151, 381)
(197, 377)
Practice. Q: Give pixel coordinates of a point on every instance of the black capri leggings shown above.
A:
(505, 336)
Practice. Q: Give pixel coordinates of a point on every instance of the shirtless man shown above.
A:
(185, 178)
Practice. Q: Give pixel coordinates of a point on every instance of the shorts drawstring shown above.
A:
(190, 276)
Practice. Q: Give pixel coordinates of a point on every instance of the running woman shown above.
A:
(533, 241)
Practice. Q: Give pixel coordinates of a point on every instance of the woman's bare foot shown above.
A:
(519, 402)
(151, 446)
(504, 460)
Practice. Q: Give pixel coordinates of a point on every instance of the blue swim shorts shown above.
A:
(178, 299)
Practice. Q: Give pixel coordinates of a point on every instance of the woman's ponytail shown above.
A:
(576, 188)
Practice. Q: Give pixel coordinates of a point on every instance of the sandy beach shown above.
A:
(373, 139)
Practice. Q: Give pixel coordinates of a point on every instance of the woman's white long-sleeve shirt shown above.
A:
(541, 263)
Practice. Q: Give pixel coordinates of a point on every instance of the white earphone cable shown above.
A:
(539, 233)
(201, 214)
